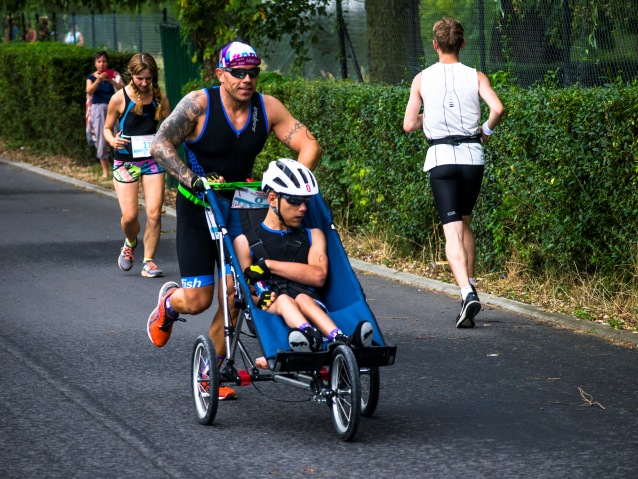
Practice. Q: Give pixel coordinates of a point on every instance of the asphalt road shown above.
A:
(83, 393)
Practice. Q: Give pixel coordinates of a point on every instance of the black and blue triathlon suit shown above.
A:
(126, 168)
(291, 246)
(226, 151)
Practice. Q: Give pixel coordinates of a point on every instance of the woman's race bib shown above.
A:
(141, 145)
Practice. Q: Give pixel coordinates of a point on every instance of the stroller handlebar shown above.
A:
(255, 185)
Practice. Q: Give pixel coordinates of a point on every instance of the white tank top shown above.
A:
(451, 107)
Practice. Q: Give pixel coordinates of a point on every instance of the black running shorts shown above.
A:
(455, 189)
(196, 250)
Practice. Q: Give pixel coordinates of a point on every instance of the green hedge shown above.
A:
(43, 95)
(560, 190)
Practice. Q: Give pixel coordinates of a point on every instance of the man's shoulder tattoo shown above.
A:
(182, 120)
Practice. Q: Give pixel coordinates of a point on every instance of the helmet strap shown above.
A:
(278, 213)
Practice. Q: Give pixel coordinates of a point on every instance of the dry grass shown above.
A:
(586, 297)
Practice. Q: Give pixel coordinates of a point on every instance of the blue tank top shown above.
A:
(136, 125)
(103, 93)
(221, 148)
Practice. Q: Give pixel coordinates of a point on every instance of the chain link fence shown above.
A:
(110, 31)
(120, 32)
(587, 42)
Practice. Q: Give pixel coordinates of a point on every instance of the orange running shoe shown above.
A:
(160, 323)
(226, 393)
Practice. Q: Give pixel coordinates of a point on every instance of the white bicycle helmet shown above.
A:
(289, 177)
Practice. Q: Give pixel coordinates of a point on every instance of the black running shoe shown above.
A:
(474, 291)
(470, 307)
(362, 336)
(306, 340)
(342, 339)
(316, 339)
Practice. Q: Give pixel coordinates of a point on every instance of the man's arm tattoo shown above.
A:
(172, 133)
(295, 128)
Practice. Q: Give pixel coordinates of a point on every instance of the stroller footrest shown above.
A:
(375, 356)
(289, 361)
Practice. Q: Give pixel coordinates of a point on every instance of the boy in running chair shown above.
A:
(293, 260)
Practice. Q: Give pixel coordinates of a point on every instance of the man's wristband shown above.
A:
(486, 129)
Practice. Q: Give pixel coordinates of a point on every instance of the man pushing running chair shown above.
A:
(293, 261)
(222, 130)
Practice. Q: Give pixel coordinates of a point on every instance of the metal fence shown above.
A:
(121, 32)
(118, 32)
(589, 42)
(110, 31)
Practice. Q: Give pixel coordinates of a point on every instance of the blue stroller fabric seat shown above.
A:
(342, 293)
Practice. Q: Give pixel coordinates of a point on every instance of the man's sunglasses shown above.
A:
(296, 200)
(242, 72)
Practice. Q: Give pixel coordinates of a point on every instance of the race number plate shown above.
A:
(141, 145)
(245, 198)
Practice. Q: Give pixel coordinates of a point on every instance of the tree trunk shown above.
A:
(395, 46)
(520, 39)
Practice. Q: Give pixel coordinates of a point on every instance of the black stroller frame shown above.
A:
(343, 377)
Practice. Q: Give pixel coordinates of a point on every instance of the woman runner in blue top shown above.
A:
(139, 107)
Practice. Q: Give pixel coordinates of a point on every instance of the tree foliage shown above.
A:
(211, 24)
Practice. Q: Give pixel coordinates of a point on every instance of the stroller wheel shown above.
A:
(205, 380)
(345, 387)
(370, 385)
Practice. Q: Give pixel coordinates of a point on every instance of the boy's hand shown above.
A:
(257, 272)
(265, 300)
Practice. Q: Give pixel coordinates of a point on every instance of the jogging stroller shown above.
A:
(344, 378)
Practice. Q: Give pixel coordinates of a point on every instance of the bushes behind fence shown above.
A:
(560, 189)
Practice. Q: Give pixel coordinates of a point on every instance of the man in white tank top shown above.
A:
(449, 93)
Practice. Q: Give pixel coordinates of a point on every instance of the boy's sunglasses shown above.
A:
(242, 72)
(296, 200)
